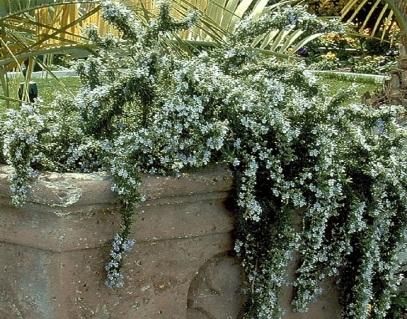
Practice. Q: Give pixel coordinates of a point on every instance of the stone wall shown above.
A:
(53, 251)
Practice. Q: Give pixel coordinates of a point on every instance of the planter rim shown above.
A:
(63, 190)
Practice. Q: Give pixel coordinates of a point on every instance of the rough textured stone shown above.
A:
(215, 292)
(53, 251)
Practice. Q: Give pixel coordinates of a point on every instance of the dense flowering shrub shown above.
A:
(313, 176)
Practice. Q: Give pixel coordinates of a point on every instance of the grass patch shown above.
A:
(48, 89)
(336, 85)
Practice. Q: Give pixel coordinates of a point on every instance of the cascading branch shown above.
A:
(313, 175)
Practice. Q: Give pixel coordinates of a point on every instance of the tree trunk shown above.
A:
(396, 86)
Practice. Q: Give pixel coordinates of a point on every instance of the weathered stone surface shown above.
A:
(215, 292)
(53, 251)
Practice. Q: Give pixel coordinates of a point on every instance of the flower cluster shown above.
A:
(21, 133)
(119, 246)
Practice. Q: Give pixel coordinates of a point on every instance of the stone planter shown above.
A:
(53, 251)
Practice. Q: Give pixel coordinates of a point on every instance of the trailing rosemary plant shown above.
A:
(297, 153)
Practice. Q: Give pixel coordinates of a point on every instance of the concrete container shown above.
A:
(53, 251)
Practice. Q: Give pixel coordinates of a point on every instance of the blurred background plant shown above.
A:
(35, 32)
(326, 7)
(32, 31)
(386, 21)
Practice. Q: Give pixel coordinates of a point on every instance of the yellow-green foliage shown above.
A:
(327, 7)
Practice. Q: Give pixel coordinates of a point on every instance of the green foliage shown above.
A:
(313, 176)
(335, 51)
(398, 308)
(326, 7)
(374, 64)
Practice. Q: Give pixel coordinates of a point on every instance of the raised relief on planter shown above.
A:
(215, 292)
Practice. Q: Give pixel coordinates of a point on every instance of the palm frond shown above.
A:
(29, 28)
(380, 15)
(9, 8)
(220, 18)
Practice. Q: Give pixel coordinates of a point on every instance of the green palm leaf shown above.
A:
(15, 7)
(381, 14)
